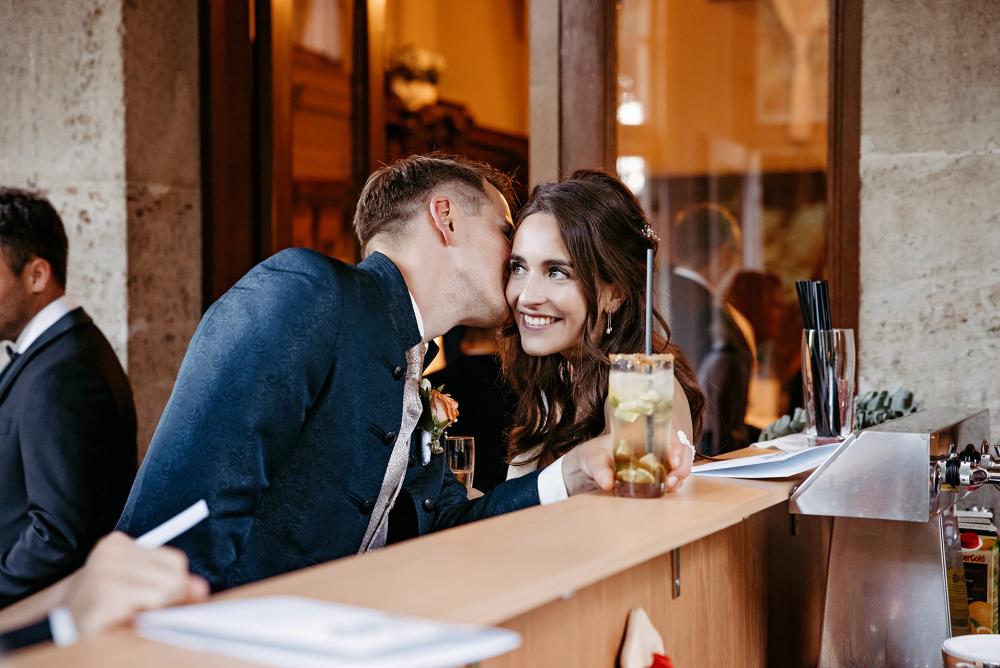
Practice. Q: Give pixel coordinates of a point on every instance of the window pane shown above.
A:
(722, 134)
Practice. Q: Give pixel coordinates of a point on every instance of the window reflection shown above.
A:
(722, 135)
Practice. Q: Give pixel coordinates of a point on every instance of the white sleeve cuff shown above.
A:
(551, 486)
(63, 627)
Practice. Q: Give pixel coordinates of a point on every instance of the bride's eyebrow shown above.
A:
(545, 263)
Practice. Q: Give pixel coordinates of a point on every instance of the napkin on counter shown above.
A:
(295, 631)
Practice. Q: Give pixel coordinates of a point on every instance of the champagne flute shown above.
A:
(461, 454)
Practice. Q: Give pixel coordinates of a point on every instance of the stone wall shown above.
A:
(163, 195)
(930, 201)
(62, 131)
(99, 111)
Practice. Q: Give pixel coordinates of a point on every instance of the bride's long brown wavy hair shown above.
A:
(561, 404)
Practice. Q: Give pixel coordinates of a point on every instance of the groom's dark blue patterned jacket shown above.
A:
(283, 417)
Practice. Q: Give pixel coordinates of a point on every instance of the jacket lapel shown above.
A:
(71, 320)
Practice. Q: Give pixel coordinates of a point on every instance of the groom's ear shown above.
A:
(442, 212)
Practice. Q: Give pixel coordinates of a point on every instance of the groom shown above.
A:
(294, 408)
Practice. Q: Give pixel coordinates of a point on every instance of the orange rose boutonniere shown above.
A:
(440, 412)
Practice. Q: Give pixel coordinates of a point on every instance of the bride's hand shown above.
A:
(681, 458)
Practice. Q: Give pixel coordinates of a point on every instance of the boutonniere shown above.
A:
(440, 412)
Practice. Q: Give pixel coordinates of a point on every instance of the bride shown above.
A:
(576, 286)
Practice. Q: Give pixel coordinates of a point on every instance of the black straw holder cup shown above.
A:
(828, 361)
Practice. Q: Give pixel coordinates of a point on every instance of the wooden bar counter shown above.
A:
(564, 576)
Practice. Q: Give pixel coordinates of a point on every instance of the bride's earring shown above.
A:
(608, 330)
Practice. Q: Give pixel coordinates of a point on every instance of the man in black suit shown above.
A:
(715, 336)
(67, 421)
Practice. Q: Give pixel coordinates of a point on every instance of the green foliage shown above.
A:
(875, 407)
(784, 426)
(871, 408)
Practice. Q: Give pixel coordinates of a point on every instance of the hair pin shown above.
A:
(648, 232)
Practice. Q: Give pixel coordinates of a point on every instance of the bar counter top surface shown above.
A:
(487, 572)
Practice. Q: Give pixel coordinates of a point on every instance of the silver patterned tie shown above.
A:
(378, 526)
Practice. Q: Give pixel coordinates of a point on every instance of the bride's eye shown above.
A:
(556, 272)
(516, 268)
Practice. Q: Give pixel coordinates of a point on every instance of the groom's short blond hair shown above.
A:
(395, 193)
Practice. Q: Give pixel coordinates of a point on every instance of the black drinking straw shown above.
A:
(814, 303)
(800, 289)
(833, 391)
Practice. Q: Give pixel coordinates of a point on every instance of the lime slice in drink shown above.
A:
(651, 397)
(651, 463)
(638, 406)
(623, 453)
(636, 476)
(626, 415)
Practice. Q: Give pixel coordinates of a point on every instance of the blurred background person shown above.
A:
(718, 339)
(67, 420)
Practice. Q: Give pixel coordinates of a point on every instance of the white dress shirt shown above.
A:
(551, 486)
(44, 319)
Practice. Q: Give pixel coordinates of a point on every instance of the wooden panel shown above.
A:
(448, 126)
(273, 47)
(844, 181)
(588, 85)
(798, 559)
(322, 147)
(322, 161)
(716, 621)
(229, 245)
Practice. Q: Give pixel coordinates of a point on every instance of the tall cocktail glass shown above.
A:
(641, 397)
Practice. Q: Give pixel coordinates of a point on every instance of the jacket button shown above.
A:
(429, 505)
(367, 507)
(411, 462)
(389, 437)
(398, 372)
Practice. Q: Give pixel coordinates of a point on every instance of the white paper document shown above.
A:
(294, 631)
(771, 465)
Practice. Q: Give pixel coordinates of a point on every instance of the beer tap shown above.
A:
(970, 467)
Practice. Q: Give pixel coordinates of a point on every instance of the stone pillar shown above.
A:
(99, 112)
(930, 201)
(163, 197)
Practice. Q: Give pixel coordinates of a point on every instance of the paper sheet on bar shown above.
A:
(771, 465)
(295, 631)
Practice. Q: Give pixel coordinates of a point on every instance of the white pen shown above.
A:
(173, 527)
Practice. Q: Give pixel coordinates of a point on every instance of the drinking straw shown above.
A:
(824, 415)
(812, 319)
(833, 391)
(649, 337)
(804, 305)
(649, 301)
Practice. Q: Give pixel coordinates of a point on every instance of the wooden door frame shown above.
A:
(843, 163)
(573, 89)
(230, 226)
